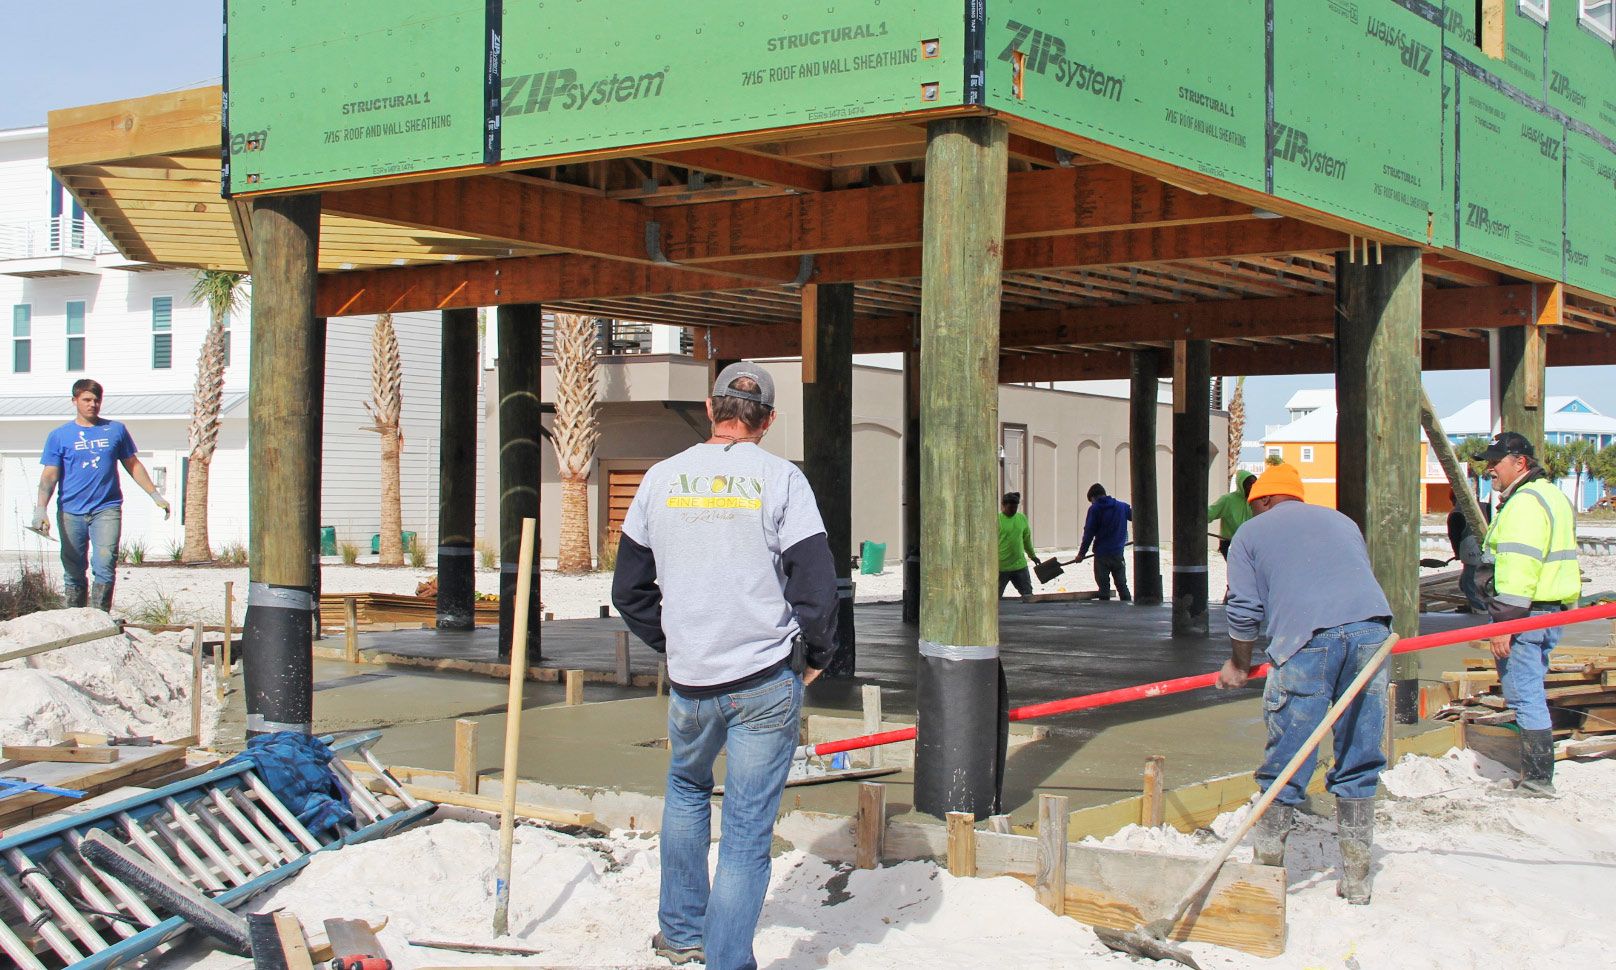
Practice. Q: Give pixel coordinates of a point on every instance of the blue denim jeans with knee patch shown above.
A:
(1521, 675)
(1301, 691)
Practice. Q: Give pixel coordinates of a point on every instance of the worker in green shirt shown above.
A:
(1231, 511)
(1015, 546)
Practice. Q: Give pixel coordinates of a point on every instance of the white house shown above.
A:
(1565, 419)
(76, 309)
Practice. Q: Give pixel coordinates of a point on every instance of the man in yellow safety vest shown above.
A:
(1533, 545)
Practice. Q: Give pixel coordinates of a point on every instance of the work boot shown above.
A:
(1537, 764)
(101, 596)
(677, 956)
(1355, 832)
(75, 596)
(1268, 839)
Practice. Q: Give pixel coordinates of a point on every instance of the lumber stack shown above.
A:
(1439, 592)
(376, 608)
(1581, 688)
(148, 766)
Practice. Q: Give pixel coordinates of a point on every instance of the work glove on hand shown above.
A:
(40, 523)
(160, 502)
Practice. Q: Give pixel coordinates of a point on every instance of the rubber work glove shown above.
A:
(40, 524)
(160, 502)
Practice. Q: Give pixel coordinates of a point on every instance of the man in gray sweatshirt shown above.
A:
(1303, 572)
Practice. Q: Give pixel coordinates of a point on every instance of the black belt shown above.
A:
(1547, 607)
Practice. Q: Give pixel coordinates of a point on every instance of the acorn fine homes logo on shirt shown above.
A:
(715, 492)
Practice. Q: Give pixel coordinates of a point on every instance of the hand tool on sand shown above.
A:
(139, 874)
(354, 946)
(42, 533)
(1151, 939)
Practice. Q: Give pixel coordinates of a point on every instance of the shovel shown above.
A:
(1431, 563)
(1151, 939)
(1051, 567)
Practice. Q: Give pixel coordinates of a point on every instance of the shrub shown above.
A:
(176, 550)
(133, 551)
(157, 610)
(607, 560)
(488, 555)
(350, 553)
(30, 591)
(417, 553)
(234, 553)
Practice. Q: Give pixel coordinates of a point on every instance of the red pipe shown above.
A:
(1179, 685)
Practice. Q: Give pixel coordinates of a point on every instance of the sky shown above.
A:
(124, 49)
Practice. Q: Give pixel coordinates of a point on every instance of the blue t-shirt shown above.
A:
(87, 459)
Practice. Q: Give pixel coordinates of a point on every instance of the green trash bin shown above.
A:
(872, 558)
(408, 538)
(328, 540)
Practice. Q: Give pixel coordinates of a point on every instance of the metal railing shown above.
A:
(60, 236)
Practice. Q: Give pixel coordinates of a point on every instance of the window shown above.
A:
(162, 325)
(75, 335)
(22, 343)
(1599, 16)
(1307, 453)
(1538, 10)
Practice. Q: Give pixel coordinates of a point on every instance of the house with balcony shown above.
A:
(1308, 443)
(1565, 419)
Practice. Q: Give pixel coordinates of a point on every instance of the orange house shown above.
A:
(1308, 445)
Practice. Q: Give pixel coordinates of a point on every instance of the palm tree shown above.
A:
(575, 434)
(1556, 461)
(221, 292)
(1465, 451)
(385, 407)
(1603, 467)
(1580, 454)
(1237, 425)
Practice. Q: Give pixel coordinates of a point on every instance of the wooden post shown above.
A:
(1145, 369)
(277, 636)
(226, 665)
(1520, 365)
(519, 423)
(457, 472)
(624, 677)
(911, 478)
(871, 828)
(575, 688)
(957, 753)
(661, 677)
(465, 755)
(1192, 428)
(1391, 724)
(871, 694)
(827, 441)
(350, 629)
(196, 681)
(1050, 885)
(513, 726)
(317, 343)
(962, 844)
(1153, 806)
(999, 824)
(1377, 423)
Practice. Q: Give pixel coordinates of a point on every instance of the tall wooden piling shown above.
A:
(827, 439)
(520, 330)
(1520, 380)
(457, 472)
(317, 341)
(1145, 369)
(276, 636)
(911, 478)
(1192, 429)
(957, 754)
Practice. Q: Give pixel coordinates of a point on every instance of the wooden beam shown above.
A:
(746, 165)
(163, 124)
(65, 753)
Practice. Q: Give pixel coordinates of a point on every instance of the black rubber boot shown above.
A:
(1268, 838)
(1355, 832)
(75, 597)
(1537, 764)
(101, 597)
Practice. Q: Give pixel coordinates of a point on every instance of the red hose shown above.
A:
(1179, 685)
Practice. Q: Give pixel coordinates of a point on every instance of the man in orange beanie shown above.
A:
(1302, 572)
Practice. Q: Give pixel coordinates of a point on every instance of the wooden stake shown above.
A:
(962, 844)
(1050, 886)
(513, 728)
(999, 824)
(872, 721)
(871, 829)
(1153, 807)
(465, 756)
(575, 687)
(196, 681)
(350, 628)
(661, 677)
(1391, 724)
(226, 664)
(624, 678)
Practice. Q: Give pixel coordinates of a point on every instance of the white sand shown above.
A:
(1467, 875)
(134, 684)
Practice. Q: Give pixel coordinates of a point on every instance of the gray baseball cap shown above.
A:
(764, 395)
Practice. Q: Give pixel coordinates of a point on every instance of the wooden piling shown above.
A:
(458, 422)
(827, 441)
(466, 756)
(871, 826)
(1145, 369)
(1153, 806)
(910, 552)
(962, 844)
(1050, 884)
(520, 420)
(1192, 428)
(316, 427)
(1521, 363)
(957, 757)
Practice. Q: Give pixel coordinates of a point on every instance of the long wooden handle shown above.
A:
(1210, 870)
(513, 728)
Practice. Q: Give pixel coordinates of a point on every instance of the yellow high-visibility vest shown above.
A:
(1533, 541)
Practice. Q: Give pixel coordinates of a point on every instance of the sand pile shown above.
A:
(131, 684)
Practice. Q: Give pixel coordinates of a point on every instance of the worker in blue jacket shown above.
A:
(1107, 528)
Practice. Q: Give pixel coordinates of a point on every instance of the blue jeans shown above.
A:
(1521, 675)
(89, 538)
(758, 727)
(1300, 692)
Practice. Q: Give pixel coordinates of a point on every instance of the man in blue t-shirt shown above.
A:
(82, 458)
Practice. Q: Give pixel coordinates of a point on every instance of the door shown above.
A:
(1013, 461)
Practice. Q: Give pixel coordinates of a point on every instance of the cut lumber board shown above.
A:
(72, 754)
(49, 645)
(154, 762)
(483, 803)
